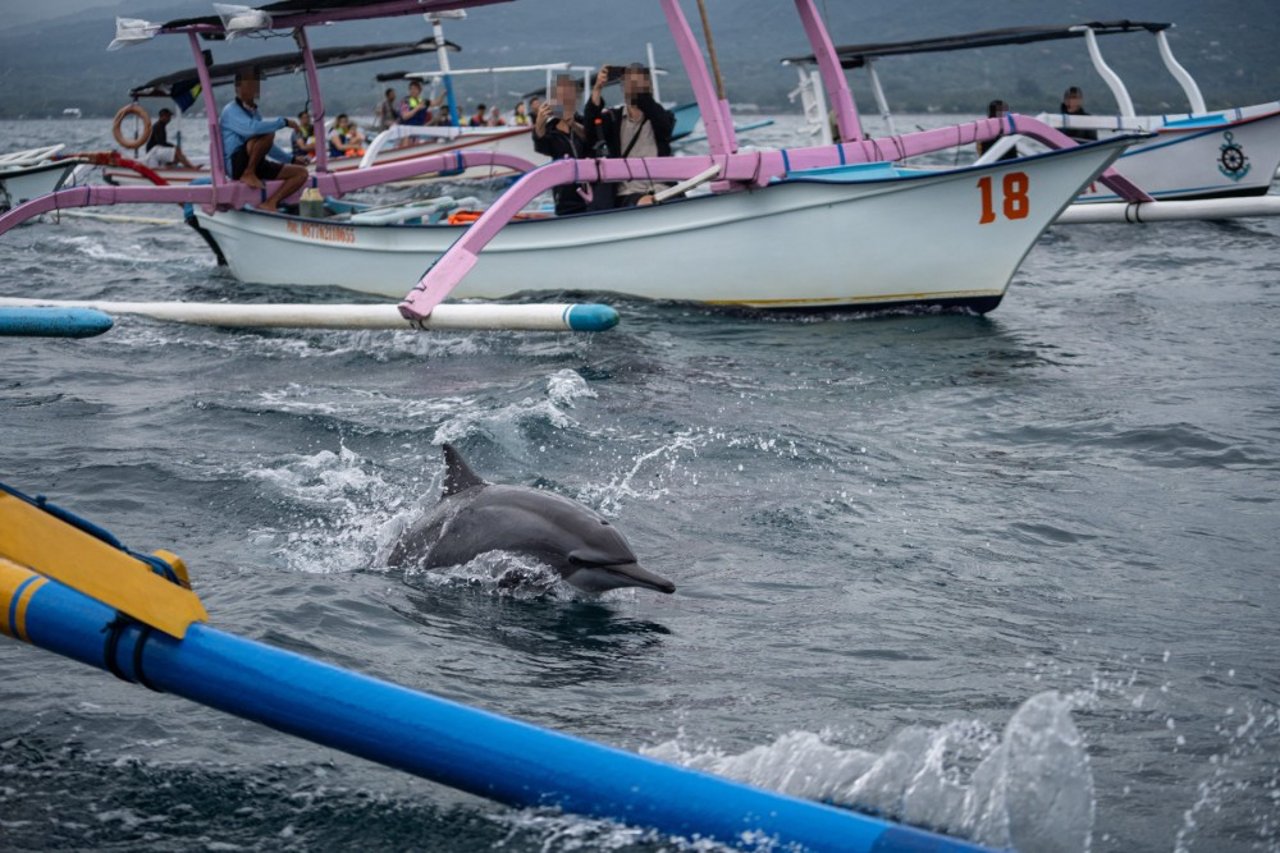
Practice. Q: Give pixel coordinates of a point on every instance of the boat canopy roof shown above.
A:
(170, 85)
(856, 55)
(287, 14)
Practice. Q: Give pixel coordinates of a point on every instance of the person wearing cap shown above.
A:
(160, 151)
(248, 143)
(640, 128)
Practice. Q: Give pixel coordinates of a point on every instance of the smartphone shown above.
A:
(557, 111)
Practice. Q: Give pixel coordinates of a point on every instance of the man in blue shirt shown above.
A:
(248, 141)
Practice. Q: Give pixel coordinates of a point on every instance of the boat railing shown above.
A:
(435, 133)
(29, 156)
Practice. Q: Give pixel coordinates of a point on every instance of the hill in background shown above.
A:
(51, 59)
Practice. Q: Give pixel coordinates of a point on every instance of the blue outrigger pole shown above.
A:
(70, 587)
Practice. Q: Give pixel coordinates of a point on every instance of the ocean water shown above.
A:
(1014, 576)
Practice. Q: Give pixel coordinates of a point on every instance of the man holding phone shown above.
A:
(640, 128)
(559, 132)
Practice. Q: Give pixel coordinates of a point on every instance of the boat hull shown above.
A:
(23, 184)
(809, 242)
(1196, 157)
(517, 142)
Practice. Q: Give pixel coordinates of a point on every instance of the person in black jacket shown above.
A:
(559, 132)
(641, 128)
(1073, 105)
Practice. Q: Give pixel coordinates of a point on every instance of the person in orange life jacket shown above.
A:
(480, 119)
(641, 128)
(248, 139)
(558, 133)
(161, 152)
(496, 119)
(997, 109)
(1073, 105)
(344, 137)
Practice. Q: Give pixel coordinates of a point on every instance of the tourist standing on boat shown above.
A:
(249, 143)
(640, 128)
(996, 109)
(415, 110)
(303, 139)
(1073, 105)
(480, 119)
(559, 133)
(160, 151)
(520, 117)
(496, 119)
(386, 114)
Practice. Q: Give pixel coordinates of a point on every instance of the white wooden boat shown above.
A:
(816, 227)
(859, 236)
(33, 172)
(1196, 155)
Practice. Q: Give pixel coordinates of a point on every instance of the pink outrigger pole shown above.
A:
(737, 171)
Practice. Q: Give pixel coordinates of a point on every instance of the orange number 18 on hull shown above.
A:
(1016, 204)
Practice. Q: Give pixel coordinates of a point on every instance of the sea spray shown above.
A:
(1031, 788)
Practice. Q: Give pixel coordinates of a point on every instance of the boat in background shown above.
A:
(33, 172)
(183, 88)
(1201, 154)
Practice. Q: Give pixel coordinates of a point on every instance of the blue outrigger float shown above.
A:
(69, 586)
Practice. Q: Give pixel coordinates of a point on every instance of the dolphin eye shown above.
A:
(604, 523)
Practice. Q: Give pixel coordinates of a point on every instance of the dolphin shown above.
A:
(474, 517)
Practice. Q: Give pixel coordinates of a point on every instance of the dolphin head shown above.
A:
(586, 550)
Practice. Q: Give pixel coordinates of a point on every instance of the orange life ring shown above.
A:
(117, 127)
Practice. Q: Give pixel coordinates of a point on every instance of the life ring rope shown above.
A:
(117, 127)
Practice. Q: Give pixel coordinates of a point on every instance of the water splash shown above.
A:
(1029, 788)
(1246, 735)
(563, 387)
(498, 573)
(342, 509)
(608, 499)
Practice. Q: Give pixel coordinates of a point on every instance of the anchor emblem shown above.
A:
(1232, 162)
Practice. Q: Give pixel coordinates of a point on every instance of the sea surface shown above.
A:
(1023, 566)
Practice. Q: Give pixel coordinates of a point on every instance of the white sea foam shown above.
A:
(499, 573)
(349, 510)
(1029, 788)
(563, 387)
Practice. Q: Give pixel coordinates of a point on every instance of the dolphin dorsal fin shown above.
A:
(458, 475)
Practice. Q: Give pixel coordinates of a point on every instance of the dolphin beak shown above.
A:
(638, 575)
